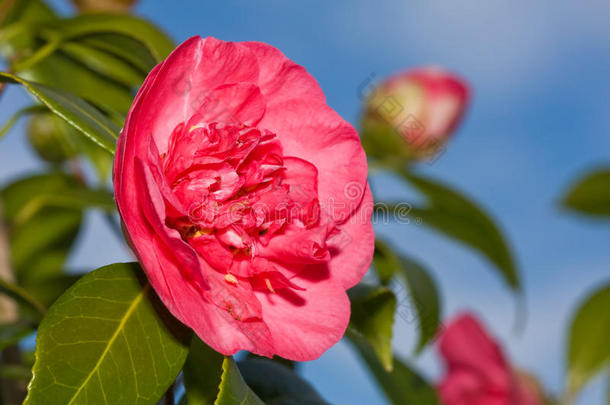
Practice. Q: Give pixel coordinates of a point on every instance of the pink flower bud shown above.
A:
(418, 110)
(478, 373)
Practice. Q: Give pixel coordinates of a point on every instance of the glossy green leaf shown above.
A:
(588, 348)
(105, 64)
(73, 110)
(126, 48)
(401, 386)
(64, 73)
(233, 390)
(107, 340)
(20, 40)
(202, 373)
(421, 291)
(456, 216)
(424, 294)
(590, 195)
(278, 384)
(157, 42)
(373, 317)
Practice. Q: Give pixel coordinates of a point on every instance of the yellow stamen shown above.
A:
(230, 278)
(269, 286)
(200, 232)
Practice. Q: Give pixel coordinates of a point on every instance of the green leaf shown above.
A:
(126, 48)
(107, 340)
(590, 195)
(424, 294)
(105, 64)
(373, 317)
(40, 239)
(43, 215)
(233, 390)
(156, 41)
(20, 40)
(402, 386)
(422, 291)
(588, 349)
(202, 373)
(456, 216)
(78, 198)
(65, 73)
(73, 110)
(385, 262)
(278, 384)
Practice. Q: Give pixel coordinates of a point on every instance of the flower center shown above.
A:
(238, 192)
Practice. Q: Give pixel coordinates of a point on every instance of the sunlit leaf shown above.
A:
(278, 384)
(588, 350)
(126, 48)
(424, 294)
(105, 64)
(401, 386)
(157, 42)
(20, 40)
(107, 340)
(590, 195)
(456, 216)
(233, 390)
(421, 291)
(373, 317)
(74, 110)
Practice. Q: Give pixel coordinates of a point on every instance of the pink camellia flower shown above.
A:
(421, 107)
(245, 199)
(477, 371)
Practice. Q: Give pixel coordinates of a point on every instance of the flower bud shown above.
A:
(50, 138)
(412, 115)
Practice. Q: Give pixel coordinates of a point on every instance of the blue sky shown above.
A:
(539, 117)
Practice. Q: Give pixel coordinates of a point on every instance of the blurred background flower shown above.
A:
(413, 114)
